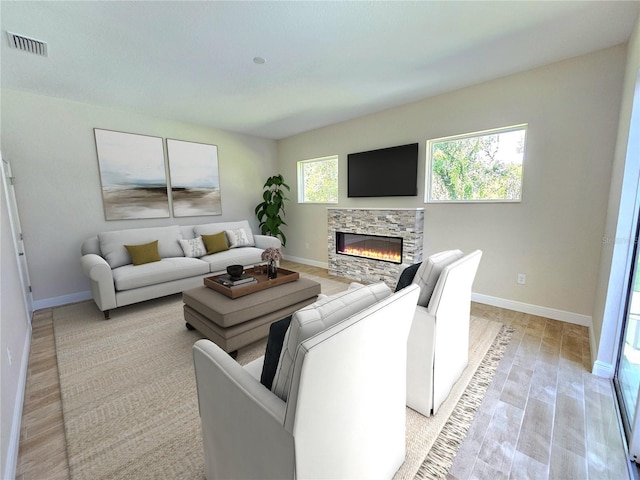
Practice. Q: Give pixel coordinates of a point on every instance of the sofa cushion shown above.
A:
(112, 243)
(316, 317)
(187, 231)
(193, 247)
(145, 253)
(428, 273)
(128, 277)
(277, 332)
(214, 243)
(210, 228)
(237, 238)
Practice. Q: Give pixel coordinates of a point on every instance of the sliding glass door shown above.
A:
(627, 372)
(627, 378)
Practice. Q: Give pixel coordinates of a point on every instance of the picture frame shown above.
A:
(195, 178)
(132, 175)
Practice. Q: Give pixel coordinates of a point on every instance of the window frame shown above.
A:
(300, 179)
(429, 163)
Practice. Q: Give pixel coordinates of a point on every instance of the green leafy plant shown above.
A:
(269, 211)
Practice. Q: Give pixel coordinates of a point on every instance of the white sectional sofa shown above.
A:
(116, 282)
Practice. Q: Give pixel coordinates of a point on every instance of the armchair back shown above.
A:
(438, 348)
(451, 306)
(344, 417)
(346, 405)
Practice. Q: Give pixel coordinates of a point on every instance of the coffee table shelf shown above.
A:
(284, 276)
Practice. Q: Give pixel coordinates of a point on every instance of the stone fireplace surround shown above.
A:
(407, 223)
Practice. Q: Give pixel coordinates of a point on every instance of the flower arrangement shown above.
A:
(271, 254)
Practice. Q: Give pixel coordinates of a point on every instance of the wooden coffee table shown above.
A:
(233, 323)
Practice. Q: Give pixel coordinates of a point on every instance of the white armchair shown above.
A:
(438, 347)
(344, 414)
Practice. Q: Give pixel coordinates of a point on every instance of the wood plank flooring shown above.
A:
(544, 415)
(42, 454)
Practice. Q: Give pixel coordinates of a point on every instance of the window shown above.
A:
(318, 180)
(476, 167)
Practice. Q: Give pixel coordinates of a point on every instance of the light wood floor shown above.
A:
(544, 415)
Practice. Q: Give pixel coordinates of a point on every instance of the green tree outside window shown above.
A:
(478, 167)
(318, 180)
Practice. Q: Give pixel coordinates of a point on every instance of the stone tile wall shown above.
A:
(405, 223)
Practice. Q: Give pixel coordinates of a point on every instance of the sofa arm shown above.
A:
(266, 241)
(241, 419)
(101, 278)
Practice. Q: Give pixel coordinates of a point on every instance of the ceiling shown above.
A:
(326, 62)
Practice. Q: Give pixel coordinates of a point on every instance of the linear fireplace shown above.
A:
(373, 226)
(377, 247)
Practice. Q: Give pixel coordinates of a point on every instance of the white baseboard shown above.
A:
(306, 261)
(602, 369)
(62, 300)
(554, 314)
(594, 354)
(16, 421)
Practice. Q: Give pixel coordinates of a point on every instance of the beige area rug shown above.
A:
(129, 395)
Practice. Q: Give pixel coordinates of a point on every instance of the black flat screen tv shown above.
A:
(387, 172)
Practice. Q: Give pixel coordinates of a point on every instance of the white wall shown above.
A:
(15, 336)
(622, 211)
(554, 236)
(51, 147)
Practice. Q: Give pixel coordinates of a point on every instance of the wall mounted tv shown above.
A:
(387, 172)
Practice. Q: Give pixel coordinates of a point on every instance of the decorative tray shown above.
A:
(284, 276)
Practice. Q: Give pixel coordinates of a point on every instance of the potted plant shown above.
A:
(268, 212)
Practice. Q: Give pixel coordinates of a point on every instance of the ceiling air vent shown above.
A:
(27, 44)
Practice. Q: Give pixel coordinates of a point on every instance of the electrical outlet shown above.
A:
(306, 245)
(9, 356)
(522, 279)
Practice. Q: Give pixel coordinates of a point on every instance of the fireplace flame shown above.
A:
(375, 254)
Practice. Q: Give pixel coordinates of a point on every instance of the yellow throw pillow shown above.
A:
(215, 243)
(146, 253)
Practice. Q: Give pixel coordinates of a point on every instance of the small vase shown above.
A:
(272, 270)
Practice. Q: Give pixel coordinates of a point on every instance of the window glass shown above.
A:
(477, 167)
(318, 180)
